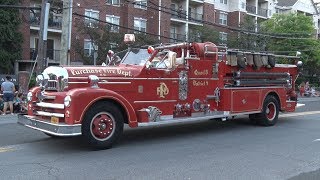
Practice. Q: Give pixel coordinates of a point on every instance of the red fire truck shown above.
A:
(160, 85)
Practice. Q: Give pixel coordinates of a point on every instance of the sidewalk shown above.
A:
(8, 119)
(308, 99)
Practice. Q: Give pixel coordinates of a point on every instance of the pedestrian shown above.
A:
(302, 89)
(109, 56)
(8, 90)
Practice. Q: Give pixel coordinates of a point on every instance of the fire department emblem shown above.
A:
(162, 90)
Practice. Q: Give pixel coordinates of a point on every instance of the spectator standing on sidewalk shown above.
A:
(8, 91)
(302, 88)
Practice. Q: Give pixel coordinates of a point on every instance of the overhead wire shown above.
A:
(172, 11)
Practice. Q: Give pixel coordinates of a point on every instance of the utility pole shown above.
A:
(43, 34)
(66, 32)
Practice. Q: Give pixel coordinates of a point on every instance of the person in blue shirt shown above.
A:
(8, 91)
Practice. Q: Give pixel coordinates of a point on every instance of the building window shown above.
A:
(224, 1)
(141, 4)
(113, 2)
(140, 25)
(223, 18)
(89, 48)
(89, 15)
(113, 20)
(223, 37)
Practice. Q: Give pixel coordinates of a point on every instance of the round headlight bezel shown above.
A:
(67, 101)
(39, 80)
(29, 96)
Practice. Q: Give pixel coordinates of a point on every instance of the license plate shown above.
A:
(54, 120)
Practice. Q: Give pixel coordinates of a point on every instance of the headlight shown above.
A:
(29, 96)
(67, 101)
(39, 80)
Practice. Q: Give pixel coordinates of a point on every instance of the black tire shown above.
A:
(270, 112)
(102, 125)
(253, 118)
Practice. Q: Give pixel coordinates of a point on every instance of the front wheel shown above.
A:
(102, 125)
(270, 112)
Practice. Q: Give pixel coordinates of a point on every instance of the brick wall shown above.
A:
(25, 30)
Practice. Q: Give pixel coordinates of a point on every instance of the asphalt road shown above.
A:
(207, 150)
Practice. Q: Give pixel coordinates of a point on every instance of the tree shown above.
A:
(103, 39)
(248, 38)
(290, 33)
(10, 39)
(204, 34)
(297, 33)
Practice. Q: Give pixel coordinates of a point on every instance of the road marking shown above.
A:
(6, 149)
(300, 114)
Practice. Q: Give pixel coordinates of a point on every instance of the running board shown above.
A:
(195, 117)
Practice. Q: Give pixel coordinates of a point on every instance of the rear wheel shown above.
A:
(102, 125)
(269, 114)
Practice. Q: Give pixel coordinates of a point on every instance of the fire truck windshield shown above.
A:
(136, 56)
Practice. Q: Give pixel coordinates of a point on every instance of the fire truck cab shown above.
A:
(160, 85)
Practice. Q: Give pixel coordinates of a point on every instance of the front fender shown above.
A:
(84, 98)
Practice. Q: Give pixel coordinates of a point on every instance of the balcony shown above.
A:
(53, 55)
(53, 23)
(253, 10)
(263, 12)
(177, 37)
(195, 17)
(197, 1)
(179, 14)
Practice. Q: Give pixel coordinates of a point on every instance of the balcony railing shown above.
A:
(177, 37)
(54, 23)
(52, 54)
(195, 17)
(253, 10)
(263, 12)
(178, 13)
(198, 1)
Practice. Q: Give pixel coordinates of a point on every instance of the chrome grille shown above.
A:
(55, 78)
(52, 85)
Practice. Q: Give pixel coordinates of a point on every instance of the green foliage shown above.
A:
(104, 40)
(10, 39)
(32, 81)
(204, 34)
(293, 26)
(101, 39)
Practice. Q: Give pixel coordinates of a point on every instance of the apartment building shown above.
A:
(30, 29)
(171, 20)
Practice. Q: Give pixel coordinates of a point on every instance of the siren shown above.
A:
(150, 49)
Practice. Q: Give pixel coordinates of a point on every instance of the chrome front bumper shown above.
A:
(60, 129)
